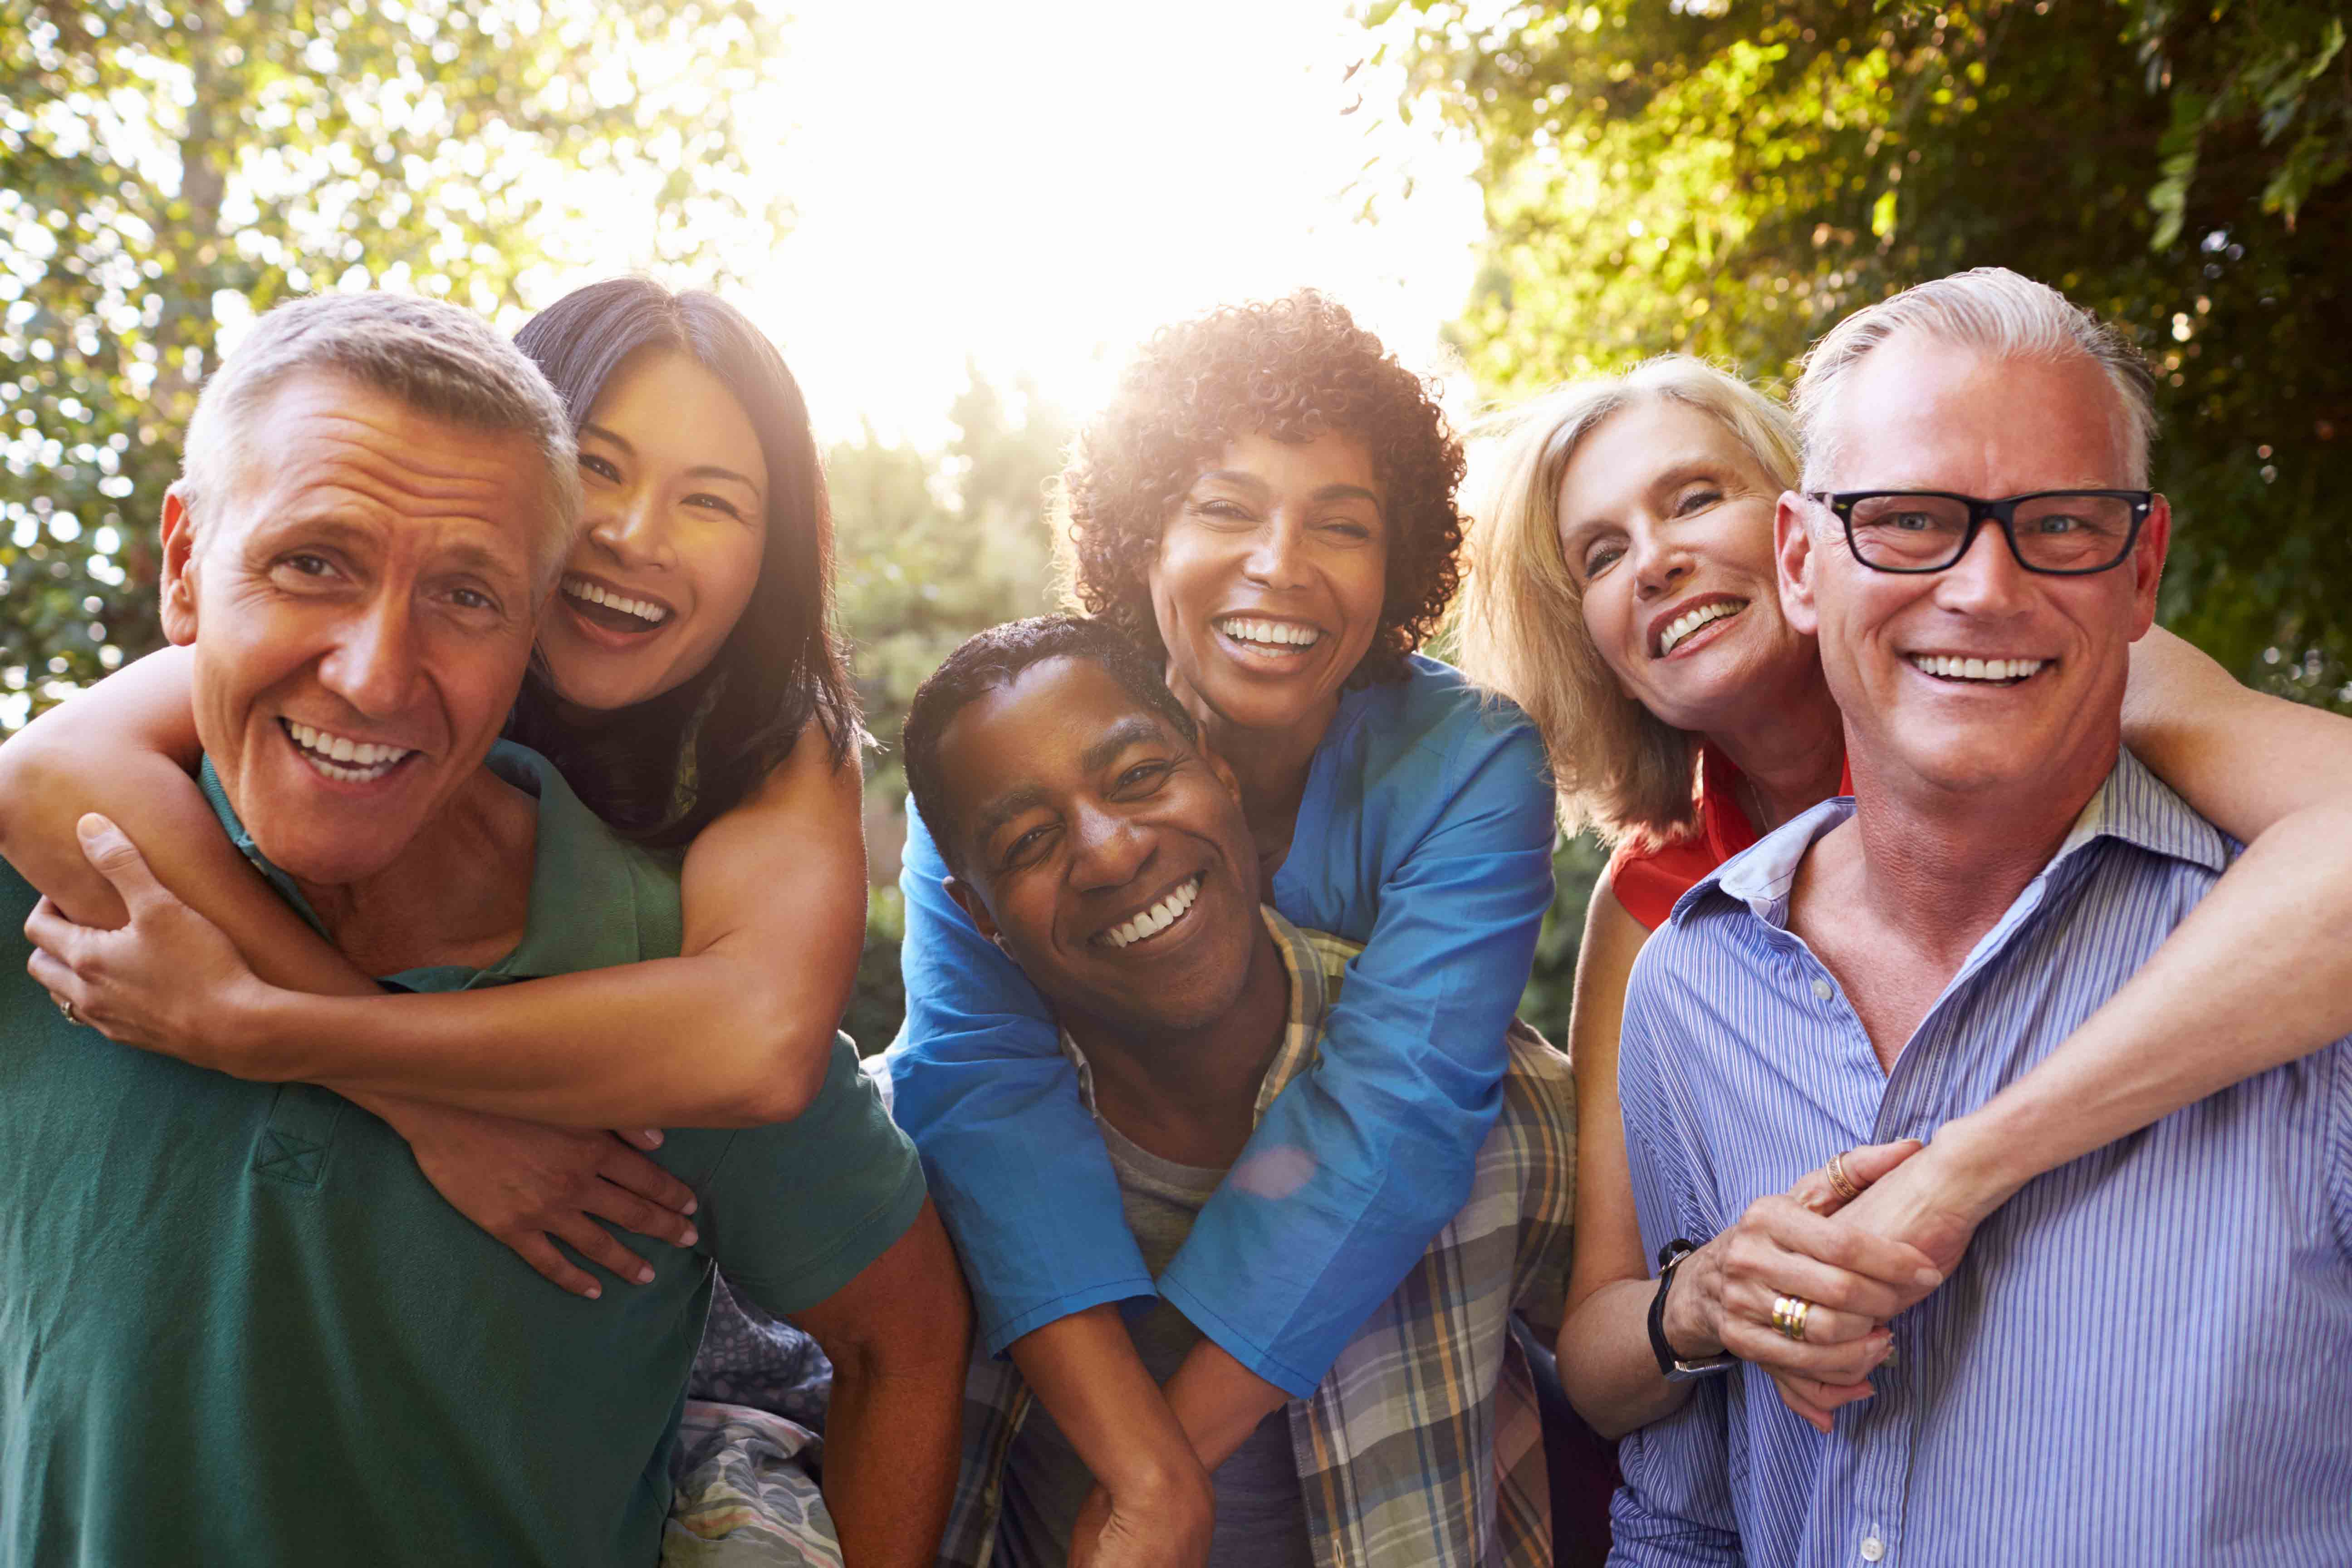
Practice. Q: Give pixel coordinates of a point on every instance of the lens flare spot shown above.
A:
(1275, 1174)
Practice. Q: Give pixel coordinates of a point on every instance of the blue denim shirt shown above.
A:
(1425, 833)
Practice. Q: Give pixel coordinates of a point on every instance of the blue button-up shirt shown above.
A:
(2146, 1356)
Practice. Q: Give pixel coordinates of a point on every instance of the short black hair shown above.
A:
(994, 660)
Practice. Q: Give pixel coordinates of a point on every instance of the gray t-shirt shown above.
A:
(1261, 1518)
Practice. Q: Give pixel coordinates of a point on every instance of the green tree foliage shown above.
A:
(932, 548)
(166, 171)
(1576, 865)
(1730, 176)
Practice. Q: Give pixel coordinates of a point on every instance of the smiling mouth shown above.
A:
(1690, 621)
(599, 606)
(1268, 637)
(340, 758)
(1983, 671)
(1143, 926)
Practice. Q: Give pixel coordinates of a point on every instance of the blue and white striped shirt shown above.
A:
(2145, 1358)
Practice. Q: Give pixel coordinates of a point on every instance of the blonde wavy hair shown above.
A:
(1519, 622)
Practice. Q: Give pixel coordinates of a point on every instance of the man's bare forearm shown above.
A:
(899, 1337)
(891, 1450)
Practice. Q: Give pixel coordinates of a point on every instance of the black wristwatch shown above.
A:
(1673, 1368)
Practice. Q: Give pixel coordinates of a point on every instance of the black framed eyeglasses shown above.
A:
(2065, 533)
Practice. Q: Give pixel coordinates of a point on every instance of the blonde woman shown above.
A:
(1623, 592)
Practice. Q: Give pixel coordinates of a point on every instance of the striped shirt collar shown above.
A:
(2131, 805)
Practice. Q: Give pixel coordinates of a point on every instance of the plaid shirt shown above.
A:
(1422, 1444)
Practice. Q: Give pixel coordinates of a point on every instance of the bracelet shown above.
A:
(1672, 1367)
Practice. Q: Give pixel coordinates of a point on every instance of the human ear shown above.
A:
(2148, 564)
(1793, 557)
(178, 609)
(968, 899)
(1221, 772)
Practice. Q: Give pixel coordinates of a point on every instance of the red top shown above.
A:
(1648, 882)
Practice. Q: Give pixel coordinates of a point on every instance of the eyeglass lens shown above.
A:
(2058, 532)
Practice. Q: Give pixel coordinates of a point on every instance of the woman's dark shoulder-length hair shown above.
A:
(1292, 368)
(661, 771)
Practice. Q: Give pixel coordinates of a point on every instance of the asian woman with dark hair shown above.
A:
(662, 765)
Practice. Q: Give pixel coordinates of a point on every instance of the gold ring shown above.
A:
(1844, 1184)
(1789, 1315)
(66, 1008)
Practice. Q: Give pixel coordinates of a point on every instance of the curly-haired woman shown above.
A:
(1268, 504)
(1624, 592)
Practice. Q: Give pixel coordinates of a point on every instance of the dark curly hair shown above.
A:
(1292, 368)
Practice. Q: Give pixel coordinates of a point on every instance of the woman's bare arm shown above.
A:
(2258, 974)
(1783, 1242)
(1605, 1364)
(734, 1032)
(126, 749)
(1152, 1501)
(1219, 1402)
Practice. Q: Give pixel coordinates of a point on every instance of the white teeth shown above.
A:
(359, 760)
(643, 609)
(1975, 669)
(1278, 634)
(1156, 919)
(1682, 626)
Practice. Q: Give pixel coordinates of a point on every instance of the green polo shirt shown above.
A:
(237, 1327)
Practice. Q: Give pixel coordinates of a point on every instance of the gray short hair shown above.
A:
(440, 359)
(2000, 312)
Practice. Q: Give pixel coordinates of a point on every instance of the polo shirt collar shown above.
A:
(2131, 805)
(583, 912)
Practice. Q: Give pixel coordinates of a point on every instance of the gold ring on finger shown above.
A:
(1846, 1184)
(1789, 1315)
(66, 1007)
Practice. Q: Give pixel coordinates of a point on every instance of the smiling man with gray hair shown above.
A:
(237, 1325)
(2141, 1357)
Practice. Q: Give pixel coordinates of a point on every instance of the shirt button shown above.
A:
(1873, 1549)
(1822, 990)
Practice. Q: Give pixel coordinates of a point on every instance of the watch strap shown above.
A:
(1671, 1367)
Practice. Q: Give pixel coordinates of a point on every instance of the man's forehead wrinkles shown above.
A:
(419, 473)
(327, 505)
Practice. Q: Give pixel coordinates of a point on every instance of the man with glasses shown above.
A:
(2140, 1358)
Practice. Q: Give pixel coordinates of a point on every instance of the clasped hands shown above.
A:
(1859, 1262)
(172, 981)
